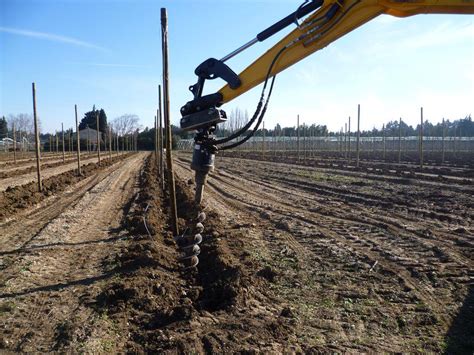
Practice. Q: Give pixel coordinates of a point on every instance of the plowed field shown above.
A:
(294, 258)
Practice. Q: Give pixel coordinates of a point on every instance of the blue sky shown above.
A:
(108, 53)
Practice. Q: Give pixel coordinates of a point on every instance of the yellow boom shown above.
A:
(314, 33)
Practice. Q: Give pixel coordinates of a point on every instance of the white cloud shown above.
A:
(52, 37)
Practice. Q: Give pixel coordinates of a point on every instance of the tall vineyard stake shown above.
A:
(160, 138)
(421, 138)
(50, 143)
(110, 142)
(442, 141)
(358, 134)
(298, 139)
(98, 136)
(57, 143)
(78, 138)
(171, 185)
(37, 141)
(64, 151)
(263, 140)
(156, 139)
(400, 141)
(304, 141)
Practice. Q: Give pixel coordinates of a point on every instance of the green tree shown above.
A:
(3, 127)
(90, 120)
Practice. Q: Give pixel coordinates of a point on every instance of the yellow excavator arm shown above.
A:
(326, 21)
(316, 32)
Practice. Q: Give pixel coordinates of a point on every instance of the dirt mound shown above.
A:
(207, 309)
(17, 198)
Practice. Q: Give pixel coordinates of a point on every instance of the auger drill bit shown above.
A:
(189, 242)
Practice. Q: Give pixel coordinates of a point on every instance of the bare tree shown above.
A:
(236, 120)
(24, 127)
(125, 124)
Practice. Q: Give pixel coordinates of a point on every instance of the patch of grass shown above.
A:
(327, 303)
(26, 267)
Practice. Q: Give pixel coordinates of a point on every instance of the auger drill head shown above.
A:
(203, 160)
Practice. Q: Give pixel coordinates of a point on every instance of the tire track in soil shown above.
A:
(63, 263)
(360, 236)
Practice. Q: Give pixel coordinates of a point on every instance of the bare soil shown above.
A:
(365, 262)
(45, 163)
(24, 177)
(20, 197)
(294, 258)
(53, 259)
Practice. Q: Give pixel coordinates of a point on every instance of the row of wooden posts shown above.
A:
(344, 140)
(127, 144)
(160, 142)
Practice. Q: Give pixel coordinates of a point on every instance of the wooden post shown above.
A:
(64, 151)
(442, 141)
(358, 135)
(110, 142)
(298, 138)
(57, 143)
(78, 144)
(400, 141)
(50, 143)
(421, 138)
(98, 136)
(160, 138)
(263, 140)
(14, 143)
(156, 139)
(37, 141)
(171, 185)
(304, 141)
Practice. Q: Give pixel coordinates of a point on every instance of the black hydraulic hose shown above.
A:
(340, 17)
(260, 119)
(259, 106)
(326, 17)
(329, 15)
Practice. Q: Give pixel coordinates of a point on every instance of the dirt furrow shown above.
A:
(51, 276)
(419, 275)
(45, 163)
(46, 173)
